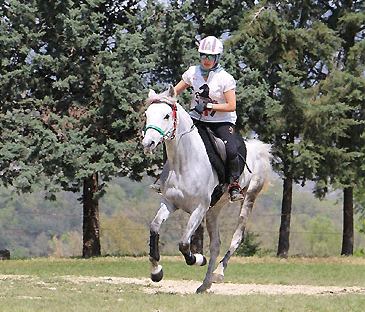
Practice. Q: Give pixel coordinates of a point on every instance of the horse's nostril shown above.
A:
(149, 147)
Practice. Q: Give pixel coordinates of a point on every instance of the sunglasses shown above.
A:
(204, 56)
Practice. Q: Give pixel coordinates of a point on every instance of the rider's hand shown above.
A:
(200, 107)
(204, 105)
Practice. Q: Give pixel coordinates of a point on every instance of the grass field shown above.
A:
(98, 285)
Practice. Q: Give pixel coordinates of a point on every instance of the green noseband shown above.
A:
(156, 128)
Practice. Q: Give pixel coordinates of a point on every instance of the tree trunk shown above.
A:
(91, 238)
(286, 208)
(348, 222)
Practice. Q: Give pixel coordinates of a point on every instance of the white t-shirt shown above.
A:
(218, 82)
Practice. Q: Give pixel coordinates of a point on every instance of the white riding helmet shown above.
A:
(210, 45)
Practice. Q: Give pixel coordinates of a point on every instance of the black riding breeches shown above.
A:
(227, 132)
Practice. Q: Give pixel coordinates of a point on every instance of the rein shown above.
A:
(167, 135)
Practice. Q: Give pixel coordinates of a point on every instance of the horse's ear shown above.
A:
(151, 93)
(172, 92)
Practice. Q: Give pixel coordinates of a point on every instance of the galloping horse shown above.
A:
(188, 181)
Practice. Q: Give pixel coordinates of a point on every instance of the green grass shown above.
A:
(38, 285)
(334, 271)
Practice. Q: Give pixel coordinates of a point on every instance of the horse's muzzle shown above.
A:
(149, 146)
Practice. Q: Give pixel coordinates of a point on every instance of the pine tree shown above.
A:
(342, 164)
(342, 149)
(76, 74)
(281, 57)
(18, 40)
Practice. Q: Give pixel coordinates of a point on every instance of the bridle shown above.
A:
(169, 135)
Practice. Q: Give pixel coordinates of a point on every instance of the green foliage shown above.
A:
(79, 91)
(31, 226)
(249, 247)
(359, 253)
(361, 227)
(73, 77)
(68, 245)
(322, 241)
(340, 121)
(121, 236)
(277, 71)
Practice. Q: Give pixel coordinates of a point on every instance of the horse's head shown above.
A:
(161, 119)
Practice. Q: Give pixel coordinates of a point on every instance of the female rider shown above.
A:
(214, 103)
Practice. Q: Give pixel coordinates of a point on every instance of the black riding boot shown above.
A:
(235, 190)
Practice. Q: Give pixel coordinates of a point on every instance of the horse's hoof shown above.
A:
(217, 278)
(200, 260)
(203, 288)
(157, 274)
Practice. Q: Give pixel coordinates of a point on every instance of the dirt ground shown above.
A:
(189, 287)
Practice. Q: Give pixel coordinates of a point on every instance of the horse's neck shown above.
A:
(187, 145)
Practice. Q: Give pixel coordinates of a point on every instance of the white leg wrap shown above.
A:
(156, 269)
(199, 259)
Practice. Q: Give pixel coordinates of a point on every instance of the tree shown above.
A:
(18, 37)
(343, 149)
(78, 85)
(343, 160)
(73, 77)
(218, 18)
(281, 57)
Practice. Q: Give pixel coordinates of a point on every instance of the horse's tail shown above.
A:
(259, 158)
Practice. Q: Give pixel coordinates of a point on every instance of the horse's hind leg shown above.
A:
(197, 240)
(212, 227)
(196, 256)
(156, 269)
(238, 236)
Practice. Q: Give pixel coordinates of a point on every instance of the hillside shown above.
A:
(31, 226)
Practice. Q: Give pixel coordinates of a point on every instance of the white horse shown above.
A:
(188, 180)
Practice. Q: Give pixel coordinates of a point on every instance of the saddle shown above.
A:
(216, 151)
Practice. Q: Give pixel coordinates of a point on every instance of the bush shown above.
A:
(249, 247)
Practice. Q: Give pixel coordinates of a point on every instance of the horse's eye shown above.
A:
(167, 117)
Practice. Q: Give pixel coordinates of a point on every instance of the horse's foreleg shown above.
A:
(213, 230)
(194, 226)
(238, 236)
(156, 269)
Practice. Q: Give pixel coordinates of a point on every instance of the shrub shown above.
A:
(249, 247)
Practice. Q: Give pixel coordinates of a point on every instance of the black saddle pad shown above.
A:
(214, 157)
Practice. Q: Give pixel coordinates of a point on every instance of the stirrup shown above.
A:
(156, 186)
(235, 192)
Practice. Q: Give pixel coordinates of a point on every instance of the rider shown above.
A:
(214, 103)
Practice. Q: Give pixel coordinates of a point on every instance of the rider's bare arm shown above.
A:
(230, 105)
(181, 86)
